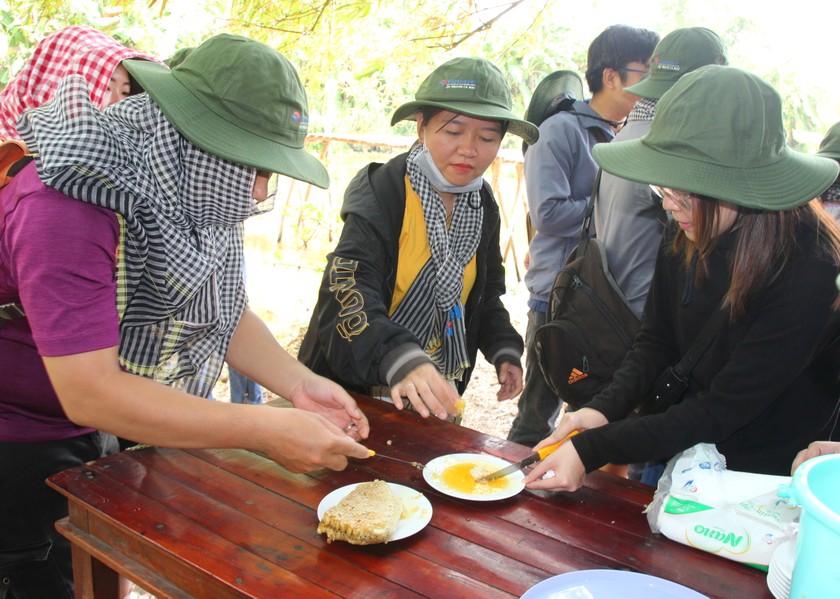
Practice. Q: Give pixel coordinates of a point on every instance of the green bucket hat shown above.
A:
(237, 99)
(719, 132)
(471, 86)
(830, 145)
(680, 52)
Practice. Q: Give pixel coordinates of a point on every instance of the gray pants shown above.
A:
(538, 405)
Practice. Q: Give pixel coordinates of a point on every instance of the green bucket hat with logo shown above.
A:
(680, 52)
(237, 99)
(471, 86)
(830, 145)
(719, 132)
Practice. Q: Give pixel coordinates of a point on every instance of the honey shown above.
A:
(461, 478)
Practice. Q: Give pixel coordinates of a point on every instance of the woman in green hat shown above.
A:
(121, 289)
(747, 239)
(413, 288)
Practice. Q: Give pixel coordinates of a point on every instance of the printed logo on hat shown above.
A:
(458, 83)
(301, 119)
(667, 65)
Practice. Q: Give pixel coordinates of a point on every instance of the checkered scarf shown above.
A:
(79, 50)
(643, 110)
(832, 194)
(180, 291)
(432, 308)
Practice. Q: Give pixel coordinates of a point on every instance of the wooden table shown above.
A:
(231, 523)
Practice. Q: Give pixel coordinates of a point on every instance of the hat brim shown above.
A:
(833, 154)
(793, 180)
(524, 129)
(215, 135)
(652, 89)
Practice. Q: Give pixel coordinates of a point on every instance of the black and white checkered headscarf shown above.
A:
(180, 291)
(432, 308)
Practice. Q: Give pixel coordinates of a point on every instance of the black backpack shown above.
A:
(13, 157)
(590, 325)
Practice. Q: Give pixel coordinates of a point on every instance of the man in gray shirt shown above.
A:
(628, 218)
(559, 174)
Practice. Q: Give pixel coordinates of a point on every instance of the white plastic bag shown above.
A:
(737, 515)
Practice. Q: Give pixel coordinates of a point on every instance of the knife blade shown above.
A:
(417, 465)
(540, 454)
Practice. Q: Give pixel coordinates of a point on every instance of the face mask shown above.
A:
(427, 166)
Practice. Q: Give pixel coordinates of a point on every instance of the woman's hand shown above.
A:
(560, 471)
(427, 391)
(510, 381)
(563, 469)
(327, 398)
(815, 449)
(579, 420)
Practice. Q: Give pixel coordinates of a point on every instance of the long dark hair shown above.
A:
(766, 240)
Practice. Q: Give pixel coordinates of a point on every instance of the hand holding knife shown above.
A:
(540, 454)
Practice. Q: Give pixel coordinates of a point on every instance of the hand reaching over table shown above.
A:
(815, 449)
(305, 441)
(563, 469)
(427, 391)
(323, 396)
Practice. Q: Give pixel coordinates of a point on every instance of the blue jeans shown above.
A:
(34, 558)
(243, 389)
(538, 405)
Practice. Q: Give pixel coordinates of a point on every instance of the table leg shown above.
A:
(92, 578)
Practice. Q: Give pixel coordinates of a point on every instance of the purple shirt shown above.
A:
(57, 259)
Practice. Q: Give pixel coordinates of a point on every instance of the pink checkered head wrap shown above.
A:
(72, 50)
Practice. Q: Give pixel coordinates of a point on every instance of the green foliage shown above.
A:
(360, 59)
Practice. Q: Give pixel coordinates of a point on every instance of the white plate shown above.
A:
(433, 470)
(417, 511)
(609, 584)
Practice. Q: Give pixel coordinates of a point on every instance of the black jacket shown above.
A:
(350, 338)
(766, 387)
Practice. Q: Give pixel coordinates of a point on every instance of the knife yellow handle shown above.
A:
(546, 451)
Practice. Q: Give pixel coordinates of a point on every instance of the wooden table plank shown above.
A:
(153, 533)
(416, 560)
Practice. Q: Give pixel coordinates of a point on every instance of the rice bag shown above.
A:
(737, 515)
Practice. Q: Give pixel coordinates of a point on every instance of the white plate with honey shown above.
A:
(416, 513)
(455, 475)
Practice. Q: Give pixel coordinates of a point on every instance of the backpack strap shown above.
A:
(701, 343)
(12, 151)
(10, 312)
(587, 216)
(673, 381)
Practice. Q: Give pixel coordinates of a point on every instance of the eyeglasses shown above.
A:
(682, 199)
(629, 70)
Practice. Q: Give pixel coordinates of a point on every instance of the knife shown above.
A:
(540, 454)
(417, 465)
